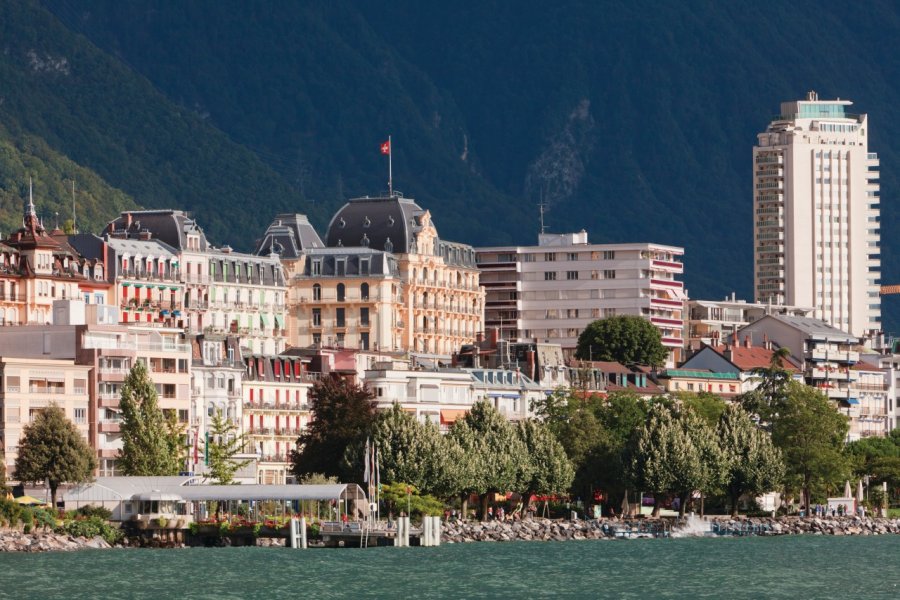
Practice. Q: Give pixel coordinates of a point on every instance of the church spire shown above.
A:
(29, 220)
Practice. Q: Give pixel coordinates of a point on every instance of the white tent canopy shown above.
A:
(123, 489)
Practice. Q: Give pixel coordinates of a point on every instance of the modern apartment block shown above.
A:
(92, 344)
(552, 291)
(712, 321)
(816, 214)
(31, 384)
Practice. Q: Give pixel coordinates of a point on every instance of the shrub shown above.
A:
(27, 517)
(194, 527)
(44, 518)
(162, 522)
(94, 511)
(9, 512)
(91, 527)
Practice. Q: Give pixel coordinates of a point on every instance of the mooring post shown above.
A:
(293, 533)
(303, 543)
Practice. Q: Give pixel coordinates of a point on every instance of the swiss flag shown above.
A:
(386, 147)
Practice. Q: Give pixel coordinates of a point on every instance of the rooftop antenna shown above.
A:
(541, 208)
(74, 228)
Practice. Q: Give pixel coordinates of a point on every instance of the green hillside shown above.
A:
(632, 119)
(96, 202)
(88, 106)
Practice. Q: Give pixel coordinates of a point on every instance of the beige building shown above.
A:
(30, 385)
(383, 281)
(91, 337)
(552, 291)
(816, 214)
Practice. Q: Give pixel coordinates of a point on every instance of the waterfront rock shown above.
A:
(559, 530)
(45, 541)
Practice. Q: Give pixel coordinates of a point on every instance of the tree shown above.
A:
(706, 405)
(147, 444)
(649, 454)
(697, 460)
(411, 452)
(500, 459)
(342, 416)
(625, 339)
(52, 449)
(753, 465)
(222, 446)
(810, 433)
(551, 472)
(771, 392)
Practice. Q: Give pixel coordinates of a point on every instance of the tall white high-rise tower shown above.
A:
(816, 214)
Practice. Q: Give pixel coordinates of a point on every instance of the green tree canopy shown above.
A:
(342, 416)
(224, 443)
(412, 452)
(810, 433)
(499, 460)
(551, 472)
(705, 405)
(52, 449)
(148, 447)
(625, 339)
(753, 465)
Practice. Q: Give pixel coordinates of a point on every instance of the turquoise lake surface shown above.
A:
(798, 567)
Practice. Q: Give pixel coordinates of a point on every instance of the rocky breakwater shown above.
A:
(559, 530)
(810, 525)
(526, 530)
(16, 541)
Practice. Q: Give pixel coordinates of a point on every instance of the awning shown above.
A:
(500, 395)
(176, 313)
(174, 288)
(162, 287)
(264, 319)
(451, 416)
(851, 401)
(164, 312)
(279, 322)
(126, 284)
(139, 285)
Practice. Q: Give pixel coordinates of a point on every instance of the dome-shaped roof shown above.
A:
(389, 224)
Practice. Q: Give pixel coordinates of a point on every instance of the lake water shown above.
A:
(779, 567)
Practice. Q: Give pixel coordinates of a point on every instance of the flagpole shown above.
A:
(390, 168)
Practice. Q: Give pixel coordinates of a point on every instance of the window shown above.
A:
(339, 317)
(549, 275)
(364, 266)
(609, 274)
(340, 340)
(317, 292)
(572, 255)
(80, 415)
(341, 292)
(609, 255)
(364, 316)
(340, 267)
(317, 339)
(549, 256)
(317, 267)
(317, 317)
(364, 340)
(571, 275)
(364, 291)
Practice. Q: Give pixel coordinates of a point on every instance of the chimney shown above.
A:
(767, 344)
(145, 235)
(479, 337)
(748, 341)
(127, 219)
(495, 335)
(476, 357)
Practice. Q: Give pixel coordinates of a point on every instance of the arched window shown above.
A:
(317, 292)
(364, 291)
(341, 292)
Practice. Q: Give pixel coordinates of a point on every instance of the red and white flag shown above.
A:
(386, 147)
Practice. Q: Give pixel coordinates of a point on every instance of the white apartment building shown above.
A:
(816, 214)
(712, 321)
(552, 291)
